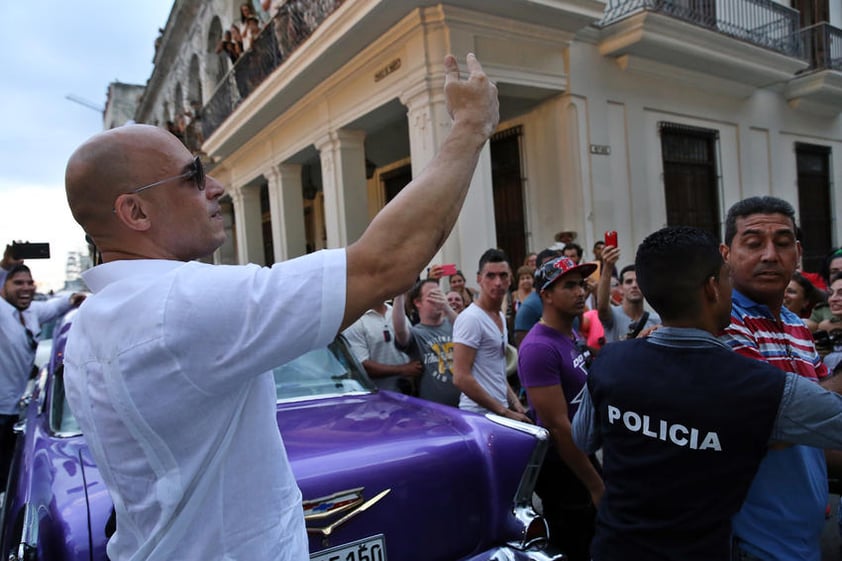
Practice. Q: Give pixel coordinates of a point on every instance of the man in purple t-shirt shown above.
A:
(552, 366)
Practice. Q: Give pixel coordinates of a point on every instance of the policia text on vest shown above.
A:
(674, 433)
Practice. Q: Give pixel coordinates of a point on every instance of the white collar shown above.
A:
(102, 275)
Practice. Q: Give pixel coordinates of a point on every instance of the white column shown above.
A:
(476, 231)
(248, 224)
(342, 155)
(429, 124)
(286, 206)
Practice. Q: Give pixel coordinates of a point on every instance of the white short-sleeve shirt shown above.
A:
(372, 337)
(167, 370)
(474, 328)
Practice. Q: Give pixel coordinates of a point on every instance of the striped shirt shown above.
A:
(754, 332)
(782, 517)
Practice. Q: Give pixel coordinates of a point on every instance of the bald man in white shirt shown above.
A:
(167, 365)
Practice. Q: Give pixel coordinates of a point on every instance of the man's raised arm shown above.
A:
(610, 255)
(407, 233)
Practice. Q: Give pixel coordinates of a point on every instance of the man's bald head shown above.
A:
(114, 162)
(180, 220)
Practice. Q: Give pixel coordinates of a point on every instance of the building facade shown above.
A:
(623, 115)
(121, 104)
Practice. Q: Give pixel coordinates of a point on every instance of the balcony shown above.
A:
(732, 47)
(819, 88)
(239, 110)
(275, 43)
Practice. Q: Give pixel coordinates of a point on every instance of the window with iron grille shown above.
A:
(691, 179)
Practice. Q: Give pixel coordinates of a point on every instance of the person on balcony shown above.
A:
(251, 32)
(228, 46)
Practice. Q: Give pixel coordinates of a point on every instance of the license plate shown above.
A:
(366, 549)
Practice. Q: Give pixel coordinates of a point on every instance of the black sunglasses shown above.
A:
(195, 171)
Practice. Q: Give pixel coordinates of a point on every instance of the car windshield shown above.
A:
(330, 371)
(319, 373)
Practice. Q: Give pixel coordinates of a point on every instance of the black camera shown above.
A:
(30, 250)
(636, 327)
(828, 341)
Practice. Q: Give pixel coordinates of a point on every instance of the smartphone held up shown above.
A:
(27, 250)
(448, 269)
(611, 238)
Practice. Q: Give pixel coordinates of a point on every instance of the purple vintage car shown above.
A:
(384, 476)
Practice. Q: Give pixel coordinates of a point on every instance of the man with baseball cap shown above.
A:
(553, 367)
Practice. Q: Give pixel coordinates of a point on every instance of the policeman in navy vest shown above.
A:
(684, 421)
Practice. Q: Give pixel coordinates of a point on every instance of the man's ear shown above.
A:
(711, 290)
(129, 209)
(724, 250)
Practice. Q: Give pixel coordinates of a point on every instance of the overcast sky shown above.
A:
(53, 49)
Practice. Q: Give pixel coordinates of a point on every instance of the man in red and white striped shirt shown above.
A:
(783, 514)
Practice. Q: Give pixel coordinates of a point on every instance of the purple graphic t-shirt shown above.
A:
(548, 358)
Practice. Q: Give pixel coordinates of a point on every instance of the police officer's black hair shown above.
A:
(672, 264)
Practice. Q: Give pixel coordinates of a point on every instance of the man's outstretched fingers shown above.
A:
(451, 69)
(473, 64)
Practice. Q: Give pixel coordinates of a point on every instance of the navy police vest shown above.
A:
(683, 432)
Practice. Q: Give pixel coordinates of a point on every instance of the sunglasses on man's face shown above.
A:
(194, 171)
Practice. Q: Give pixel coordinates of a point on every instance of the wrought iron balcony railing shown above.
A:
(762, 22)
(822, 46)
(287, 30)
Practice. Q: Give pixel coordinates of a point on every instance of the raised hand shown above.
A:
(472, 102)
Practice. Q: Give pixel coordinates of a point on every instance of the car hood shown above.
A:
(451, 476)
(448, 473)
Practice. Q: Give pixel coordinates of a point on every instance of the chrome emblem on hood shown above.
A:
(350, 500)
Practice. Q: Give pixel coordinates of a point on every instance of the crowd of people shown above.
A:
(607, 338)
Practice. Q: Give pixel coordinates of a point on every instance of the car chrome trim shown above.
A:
(328, 530)
(526, 516)
(538, 432)
(305, 398)
(523, 511)
(19, 427)
(504, 553)
(28, 545)
(523, 496)
(336, 503)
